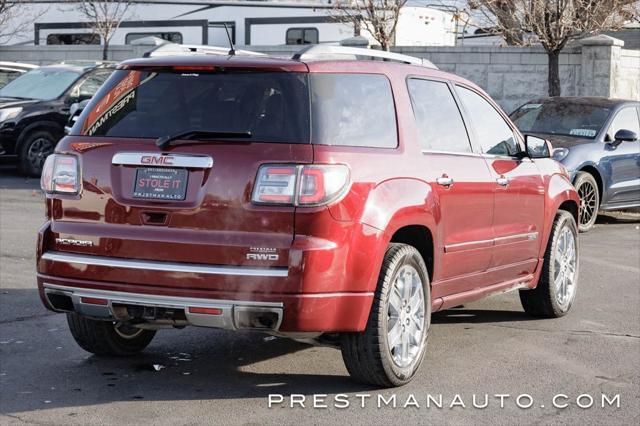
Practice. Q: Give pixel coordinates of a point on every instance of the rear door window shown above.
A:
(353, 110)
(92, 83)
(272, 106)
(494, 134)
(438, 119)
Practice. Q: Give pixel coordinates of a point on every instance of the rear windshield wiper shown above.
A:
(164, 141)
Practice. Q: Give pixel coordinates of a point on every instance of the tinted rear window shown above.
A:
(353, 110)
(273, 107)
(440, 125)
(345, 109)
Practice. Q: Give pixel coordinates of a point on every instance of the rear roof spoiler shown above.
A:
(170, 49)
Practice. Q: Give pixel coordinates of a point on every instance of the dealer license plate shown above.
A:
(160, 183)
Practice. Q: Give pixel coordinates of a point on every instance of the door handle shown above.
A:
(444, 181)
(502, 181)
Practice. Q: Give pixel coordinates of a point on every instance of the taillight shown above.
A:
(60, 175)
(300, 185)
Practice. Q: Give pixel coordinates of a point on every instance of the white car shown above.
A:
(12, 70)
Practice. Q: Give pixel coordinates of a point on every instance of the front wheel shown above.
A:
(108, 338)
(556, 290)
(38, 145)
(391, 348)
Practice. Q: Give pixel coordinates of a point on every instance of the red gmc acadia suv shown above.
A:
(324, 198)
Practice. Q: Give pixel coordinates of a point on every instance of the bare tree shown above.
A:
(14, 21)
(553, 23)
(378, 17)
(105, 17)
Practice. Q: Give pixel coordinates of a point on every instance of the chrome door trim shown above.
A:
(467, 245)
(154, 265)
(497, 241)
(529, 236)
(156, 159)
(458, 153)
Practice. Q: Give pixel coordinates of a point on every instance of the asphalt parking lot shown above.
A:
(208, 376)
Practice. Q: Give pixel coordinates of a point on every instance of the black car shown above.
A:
(34, 109)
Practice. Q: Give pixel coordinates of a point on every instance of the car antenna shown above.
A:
(232, 50)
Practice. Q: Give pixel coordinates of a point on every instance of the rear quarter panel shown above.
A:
(384, 195)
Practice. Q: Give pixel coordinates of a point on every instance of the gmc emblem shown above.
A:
(162, 160)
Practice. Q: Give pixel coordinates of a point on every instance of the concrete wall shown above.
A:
(596, 66)
(626, 81)
(44, 55)
(511, 75)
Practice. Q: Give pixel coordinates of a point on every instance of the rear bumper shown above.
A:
(112, 305)
(286, 313)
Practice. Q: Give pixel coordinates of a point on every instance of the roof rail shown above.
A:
(170, 49)
(85, 62)
(324, 51)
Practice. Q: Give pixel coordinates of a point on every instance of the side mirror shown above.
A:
(73, 96)
(624, 135)
(537, 147)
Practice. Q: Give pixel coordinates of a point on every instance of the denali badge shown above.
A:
(73, 242)
(262, 253)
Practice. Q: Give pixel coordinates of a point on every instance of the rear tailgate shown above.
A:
(215, 223)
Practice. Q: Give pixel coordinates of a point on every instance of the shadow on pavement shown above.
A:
(10, 178)
(40, 362)
(630, 216)
(470, 316)
(190, 364)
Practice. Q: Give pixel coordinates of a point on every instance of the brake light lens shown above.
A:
(300, 185)
(60, 175)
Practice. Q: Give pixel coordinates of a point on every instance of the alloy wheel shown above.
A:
(38, 152)
(588, 202)
(406, 311)
(565, 267)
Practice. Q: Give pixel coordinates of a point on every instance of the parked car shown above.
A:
(34, 109)
(11, 70)
(334, 200)
(597, 140)
(74, 113)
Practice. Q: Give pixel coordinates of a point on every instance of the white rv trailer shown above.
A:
(249, 22)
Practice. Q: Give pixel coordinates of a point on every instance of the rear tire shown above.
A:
(587, 189)
(107, 338)
(391, 348)
(38, 145)
(556, 289)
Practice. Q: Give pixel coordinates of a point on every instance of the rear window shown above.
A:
(327, 109)
(353, 110)
(273, 107)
